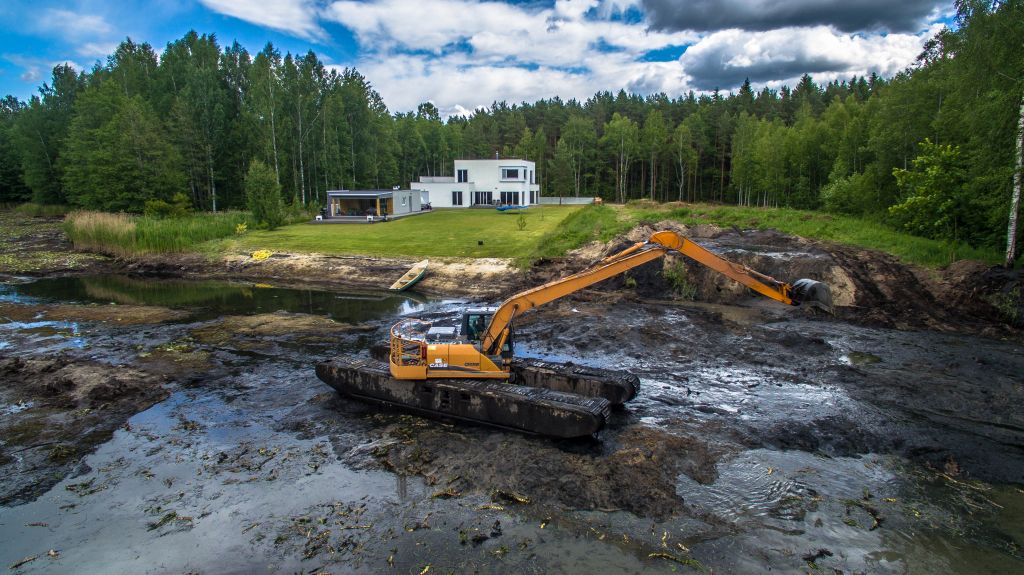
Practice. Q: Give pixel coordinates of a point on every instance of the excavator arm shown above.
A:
(659, 244)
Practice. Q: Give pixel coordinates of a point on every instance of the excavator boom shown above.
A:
(659, 244)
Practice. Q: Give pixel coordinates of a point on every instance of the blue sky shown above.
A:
(462, 54)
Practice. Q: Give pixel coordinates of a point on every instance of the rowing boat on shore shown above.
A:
(411, 277)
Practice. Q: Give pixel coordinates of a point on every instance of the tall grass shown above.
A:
(125, 235)
(593, 222)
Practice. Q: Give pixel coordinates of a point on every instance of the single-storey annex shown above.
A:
(362, 203)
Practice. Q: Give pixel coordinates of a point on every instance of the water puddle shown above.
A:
(210, 299)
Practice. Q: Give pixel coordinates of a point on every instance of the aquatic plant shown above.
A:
(125, 235)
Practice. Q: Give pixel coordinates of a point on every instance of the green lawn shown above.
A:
(443, 233)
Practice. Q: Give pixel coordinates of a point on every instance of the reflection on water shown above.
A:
(212, 298)
(874, 514)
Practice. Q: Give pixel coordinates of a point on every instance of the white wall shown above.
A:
(482, 176)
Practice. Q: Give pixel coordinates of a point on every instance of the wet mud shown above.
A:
(57, 410)
(764, 438)
(37, 247)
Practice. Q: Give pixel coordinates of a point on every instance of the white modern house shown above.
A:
(483, 183)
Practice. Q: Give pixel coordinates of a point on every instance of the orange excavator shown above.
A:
(451, 370)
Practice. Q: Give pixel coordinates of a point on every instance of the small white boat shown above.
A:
(411, 277)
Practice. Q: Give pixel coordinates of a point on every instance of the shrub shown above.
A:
(179, 206)
(678, 278)
(263, 195)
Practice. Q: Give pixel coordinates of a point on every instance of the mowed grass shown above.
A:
(818, 226)
(469, 233)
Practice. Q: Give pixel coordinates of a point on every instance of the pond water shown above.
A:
(254, 465)
(212, 299)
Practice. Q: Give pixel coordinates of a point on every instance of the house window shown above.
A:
(510, 198)
(533, 176)
(533, 197)
(482, 198)
(510, 173)
(463, 176)
(457, 197)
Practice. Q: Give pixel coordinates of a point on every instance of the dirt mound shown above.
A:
(484, 277)
(279, 323)
(74, 385)
(637, 476)
(56, 410)
(119, 314)
(868, 287)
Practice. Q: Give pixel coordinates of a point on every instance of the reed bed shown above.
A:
(125, 235)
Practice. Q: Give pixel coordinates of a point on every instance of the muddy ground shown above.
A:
(764, 437)
(38, 247)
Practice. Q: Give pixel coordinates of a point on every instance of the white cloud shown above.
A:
(457, 86)
(96, 50)
(66, 23)
(31, 74)
(559, 36)
(724, 59)
(297, 17)
(35, 70)
(466, 54)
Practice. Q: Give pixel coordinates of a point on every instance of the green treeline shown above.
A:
(931, 151)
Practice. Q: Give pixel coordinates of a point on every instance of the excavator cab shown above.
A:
(474, 324)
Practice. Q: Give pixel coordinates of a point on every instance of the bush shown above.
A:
(179, 207)
(679, 280)
(854, 194)
(263, 195)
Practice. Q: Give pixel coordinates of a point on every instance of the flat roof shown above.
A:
(363, 193)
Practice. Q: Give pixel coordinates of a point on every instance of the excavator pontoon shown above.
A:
(468, 370)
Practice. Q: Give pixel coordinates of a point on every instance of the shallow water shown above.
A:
(212, 298)
(256, 466)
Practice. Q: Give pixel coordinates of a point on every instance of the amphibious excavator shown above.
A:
(467, 370)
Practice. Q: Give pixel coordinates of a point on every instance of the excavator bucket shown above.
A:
(812, 293)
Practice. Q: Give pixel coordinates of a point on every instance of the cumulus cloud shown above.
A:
(72, 24)
(31, 74)
(296, 17)
(845, 15)
(34, 69)
(96, 50)
(464, 54)
(724, 59)
(560, 35)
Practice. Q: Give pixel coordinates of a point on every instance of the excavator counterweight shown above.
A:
(426, 362)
